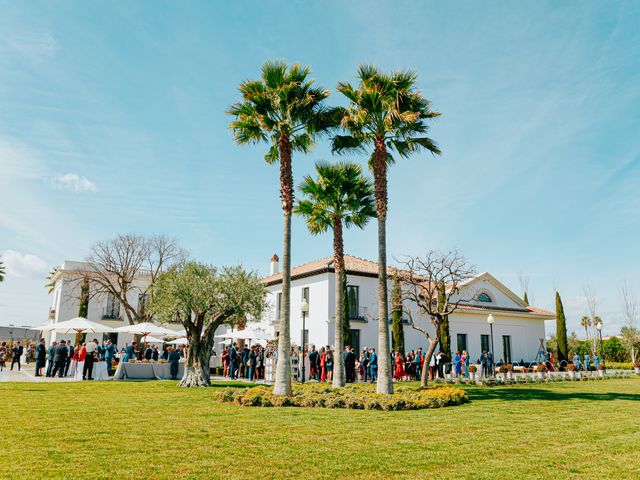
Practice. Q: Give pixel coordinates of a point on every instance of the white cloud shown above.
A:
(74, 182)
(23, 265)
(32, 46)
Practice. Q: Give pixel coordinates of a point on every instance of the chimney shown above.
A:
(275, 265)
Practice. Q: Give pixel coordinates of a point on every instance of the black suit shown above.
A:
(41, 354)
(59, 360)
(67, 364)
(50, 353)
(16, 352)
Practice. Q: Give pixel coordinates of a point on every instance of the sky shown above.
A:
(112, 120)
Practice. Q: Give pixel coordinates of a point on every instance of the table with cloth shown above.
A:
(151, 371)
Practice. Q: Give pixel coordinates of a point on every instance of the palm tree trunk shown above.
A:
(282, 384)
(338, 257)
(385, 384)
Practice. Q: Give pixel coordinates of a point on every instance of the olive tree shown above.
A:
(433, 284)
(202, 297)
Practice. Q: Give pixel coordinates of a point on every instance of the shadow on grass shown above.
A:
(524, 394)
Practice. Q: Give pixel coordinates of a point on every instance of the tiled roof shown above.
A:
(354, 265)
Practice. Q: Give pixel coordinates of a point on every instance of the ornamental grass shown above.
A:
(359, 396)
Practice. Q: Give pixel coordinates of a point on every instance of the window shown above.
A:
(353, 302)
(506, 348)
(305, 294)
(483, 297)
(112, 311)
(354, 340)
(484, 343)
(278, 303)
(462, 342)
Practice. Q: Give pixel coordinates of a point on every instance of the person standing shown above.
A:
(373, 364)
(399, 371)
(576, 361)
(457, 364)
(41, 355)
(466, 360)
(244, 366)
(70, 352)
(148, 353)
(329, 364)
(440, 364)
(60, 359)
(484, 364)
(253, 362)
(233, 359)
(109, 353)
(87, 370)
(432, 367)
(130, 352)
(50, 353)
(260, 362)
(596, 361)
(3, 356)
(587, 362)
(364, 362)
(490, 363)
(323, 365)
(313, 363)
(16, 353)
(174, 363)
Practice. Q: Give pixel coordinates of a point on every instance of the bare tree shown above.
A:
(433, 284)
(127, 267)
(630, 314)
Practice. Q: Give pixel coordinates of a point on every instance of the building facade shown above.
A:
(518, 329)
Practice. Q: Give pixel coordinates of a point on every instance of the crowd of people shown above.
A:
(247, 362)
(62, 358)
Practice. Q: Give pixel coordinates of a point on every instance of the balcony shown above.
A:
(111, 314)
(52, 314)
(359, 315)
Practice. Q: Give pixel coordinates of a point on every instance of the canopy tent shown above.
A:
(177, 333)
(78, 325)
(151, 339)
(246, 334)
(179, 341)
(145, 329)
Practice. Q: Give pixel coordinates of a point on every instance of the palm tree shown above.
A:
(51, 284)
(340, 196)
(385, 112)
(1, 271)
(285, 110)
(585, 322)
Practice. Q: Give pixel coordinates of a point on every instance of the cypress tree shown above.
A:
(346, 315)
(83, 310)
(526, 299)
(561, 331)
(443, 329)
(397, 330)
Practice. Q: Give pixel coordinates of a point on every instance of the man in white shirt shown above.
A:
(91, 348)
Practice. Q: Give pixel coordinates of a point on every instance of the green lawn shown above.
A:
(157, 430)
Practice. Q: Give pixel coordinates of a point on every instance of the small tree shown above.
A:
(629, 332)
(561, 331)
(526, 299)
(433, 284)
(585, 322)
(397, 330)
(203, 298)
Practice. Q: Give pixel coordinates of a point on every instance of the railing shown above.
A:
(360, 315)
(111, 314)
(52, 313)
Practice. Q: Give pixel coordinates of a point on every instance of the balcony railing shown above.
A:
(358, 315)
(111, 314)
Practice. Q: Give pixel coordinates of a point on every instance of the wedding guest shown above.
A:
(364, 365)
(457, 363)
(130, 352)
(576, 361)
(323, 364)
(373, 364)
(16, 353)
(399, 370)
(156, 354)
(349, 364)
(50, 352)
(432, 367)
(174, 360)
(148, 353)
(233, 362)
(253, 361)
(3, 356)
(60, 359)
(91, 348)
(109, 354)
(70, 352)
(587, 362)
(313, 363)
(440, 364)
(484, 364)
(329, 364)
(225, 362)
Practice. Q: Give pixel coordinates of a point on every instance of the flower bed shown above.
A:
(356, 396)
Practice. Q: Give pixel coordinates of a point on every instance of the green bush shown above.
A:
(354, 396)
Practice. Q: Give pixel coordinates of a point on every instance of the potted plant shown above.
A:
(541, 370)
(472, 372)
(571, 368)
(601, 370)
(509, 368)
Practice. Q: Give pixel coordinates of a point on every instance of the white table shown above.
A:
(149, 371)
(100, 371)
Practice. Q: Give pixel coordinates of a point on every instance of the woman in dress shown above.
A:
(3, 355)
(329, 364)
(226, 359)
(323, 365)
(457, 363)
(465, 362)
(399, 372)
(73, 368)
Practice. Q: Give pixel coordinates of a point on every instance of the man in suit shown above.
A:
(148, 353)
(233, 362)
(490, 363)
(313, 363)
(60, 359)
(50, 353)
(484, 364)
(109, 353)
(244, 367)
(373, 364)
(41, 355)
(349, 364)
(16, 353)
(70, 352)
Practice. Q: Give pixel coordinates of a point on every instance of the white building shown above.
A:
(102, 308)
(517, 332)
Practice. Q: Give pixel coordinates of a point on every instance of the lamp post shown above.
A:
(490, 321)
(304, 308)
(599, 328)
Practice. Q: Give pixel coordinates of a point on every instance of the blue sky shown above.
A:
(112, 119)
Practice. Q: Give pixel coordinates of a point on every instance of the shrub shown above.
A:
(354, 396)
(473, 369)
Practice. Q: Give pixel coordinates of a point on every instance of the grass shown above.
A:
(157, 430)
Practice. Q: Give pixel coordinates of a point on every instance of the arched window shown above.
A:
(483, 297)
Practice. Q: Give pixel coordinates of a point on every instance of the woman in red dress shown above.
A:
(226, 360)
(323, 365)
(399, 373)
